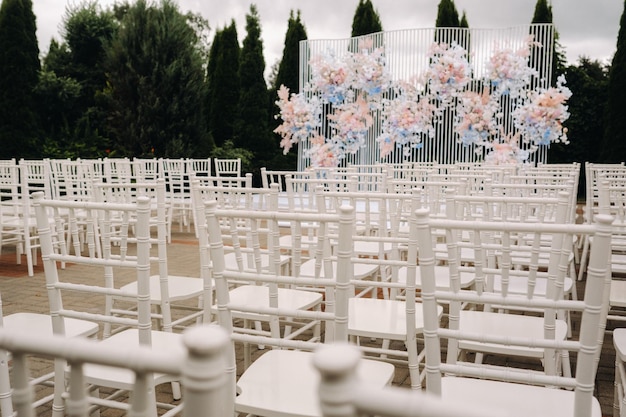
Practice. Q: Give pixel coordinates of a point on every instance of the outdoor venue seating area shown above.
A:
(455, 284)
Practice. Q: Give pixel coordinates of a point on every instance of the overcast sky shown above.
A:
(586, 27)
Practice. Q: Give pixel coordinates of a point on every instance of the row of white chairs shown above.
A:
(338, 226)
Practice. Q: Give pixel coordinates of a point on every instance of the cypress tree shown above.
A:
(210, 75)
(19, 74)
(614, 145)
(366, 20)
(252, 130)
(463, 22)
(288, 74)
(447, 17)
(223, 84)
(157, 84)
(543, 14)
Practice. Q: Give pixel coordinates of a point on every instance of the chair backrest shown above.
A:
(35, 175)
(336, 285)
(200, 167)
(227, 167)
(269, 177)
(341, 394)
(108, 227)
(201, 366)
(147, 169)
(117, 169)
(482, 233)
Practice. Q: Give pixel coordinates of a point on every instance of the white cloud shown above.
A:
(586, 28)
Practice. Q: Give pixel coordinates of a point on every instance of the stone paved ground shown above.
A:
(22, 293)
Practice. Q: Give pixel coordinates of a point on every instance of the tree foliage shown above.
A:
(252, 131)
(157, 91)
(19, 73)
(447, 15)
(614, 145)
(366, 19)
(588, 82)
(223, 84)
(77, 126)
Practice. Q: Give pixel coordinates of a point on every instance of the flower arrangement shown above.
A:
(477, 117)
(330, 77)
(405, 118)
(542, 115)
(300, 117)
(449, 70)
(350, 123)
(322, 153)
(351, 88)
(506, 151)
(508, 69)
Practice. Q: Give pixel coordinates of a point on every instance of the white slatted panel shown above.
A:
(406, 53)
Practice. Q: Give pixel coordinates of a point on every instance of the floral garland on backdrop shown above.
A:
(352, 87)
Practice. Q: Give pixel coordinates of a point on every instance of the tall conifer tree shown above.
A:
(288, 75)
(447, 17)
(224, 84)
(19, 73)
(614, 145)
(543, 14)
(366, 19)
(252, 130)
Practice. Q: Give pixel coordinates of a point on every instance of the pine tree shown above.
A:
(223, 84)
(288, 74)
(614, 145)
(19, 74)
(157, 86)
(252, 130)
(366, 20)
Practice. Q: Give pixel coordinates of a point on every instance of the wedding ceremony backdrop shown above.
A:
(426, 95)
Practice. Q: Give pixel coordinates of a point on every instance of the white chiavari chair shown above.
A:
(505, 388)
(282, 381)
(199, 362)
(147, 169)
(120, 253)
(199, 167)
(178, 187)
(592, 184)
(170, 294)
(34, 325)
(117, 170)
(227, 167)
(12, 232)
(612, 201)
